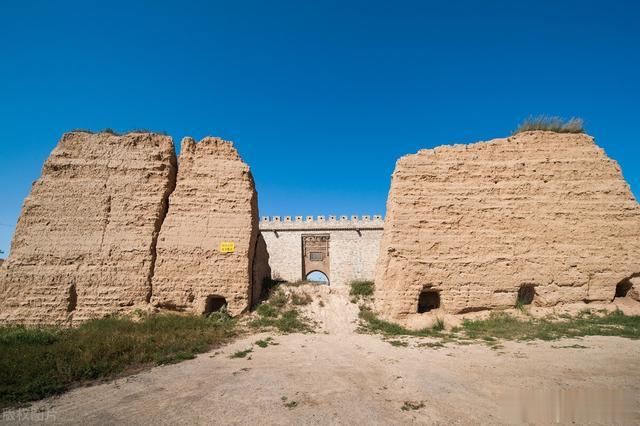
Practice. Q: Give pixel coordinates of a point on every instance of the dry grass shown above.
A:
(552, 124)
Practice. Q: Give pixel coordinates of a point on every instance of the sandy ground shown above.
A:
(337, 376)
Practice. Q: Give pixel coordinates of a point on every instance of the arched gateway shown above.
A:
(343, 249)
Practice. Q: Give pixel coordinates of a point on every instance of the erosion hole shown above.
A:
(526, 293)
(623, 287)
(214, 303)
(428, 300)
(72, 298)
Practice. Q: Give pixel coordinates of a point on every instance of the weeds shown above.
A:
(241, 354)
(432, 345)
(412, 405)
(361, 288)
(272, 313)
(503, 326)
(116, 133)
(266, 342)
(301, 299)
(38, 362)
(553, 124)
(373, 324)
(438, 325)
(574, 346)
(289, 404)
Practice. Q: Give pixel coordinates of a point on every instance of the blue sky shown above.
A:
(321, 98)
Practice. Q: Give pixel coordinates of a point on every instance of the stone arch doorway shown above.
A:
(317, 277)
(315, 255)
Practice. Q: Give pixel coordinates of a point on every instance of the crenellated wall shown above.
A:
(354, 243)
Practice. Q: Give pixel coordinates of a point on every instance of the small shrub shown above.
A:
(438, 325)
(241, 354)
(412, 405)
(290, 322)
(289, 404)
(264, 343)
(361, 288)
(266, 310)
(278, 298)
(301, 299)
(553, 124)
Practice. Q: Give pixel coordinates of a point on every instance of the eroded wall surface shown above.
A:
(84, 245)
(353, 246)
(214, 201)
(475, 222)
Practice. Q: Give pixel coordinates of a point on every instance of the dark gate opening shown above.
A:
(428, 300)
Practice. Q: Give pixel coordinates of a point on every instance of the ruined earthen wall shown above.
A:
(214, 201)
(261, 269)
(84, 245)
(353, 245)
(475, 222)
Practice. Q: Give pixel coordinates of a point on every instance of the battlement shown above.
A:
(321, 222)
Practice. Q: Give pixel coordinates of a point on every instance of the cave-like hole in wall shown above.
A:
(623, 287)
(428, 300)
(526, 294)
(72, 298)
(214, 303)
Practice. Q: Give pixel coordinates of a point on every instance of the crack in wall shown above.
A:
(157, 226)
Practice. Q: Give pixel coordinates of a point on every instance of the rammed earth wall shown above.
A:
(475, 223)
(84, 245)
(96, 236)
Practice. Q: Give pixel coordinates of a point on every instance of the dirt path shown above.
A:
(339, 377)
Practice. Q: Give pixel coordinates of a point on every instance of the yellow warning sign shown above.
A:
(227, 247)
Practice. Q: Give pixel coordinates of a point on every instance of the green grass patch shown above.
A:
(361, 288)
(553, 124)
(265, 342)
(371, 323)
(288, 321)
(266, 310)
(275, 313)
(39, 362)
(502, 326)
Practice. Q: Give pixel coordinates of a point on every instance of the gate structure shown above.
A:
(343, 249)
(315, 253)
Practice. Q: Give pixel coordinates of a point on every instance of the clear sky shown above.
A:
(322, 97)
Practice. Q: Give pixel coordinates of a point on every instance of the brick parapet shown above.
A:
(296, 223)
